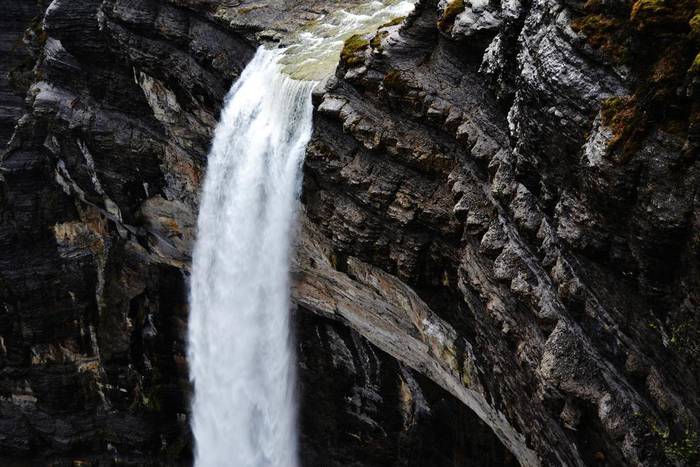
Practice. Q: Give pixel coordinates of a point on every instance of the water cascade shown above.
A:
(240, 353)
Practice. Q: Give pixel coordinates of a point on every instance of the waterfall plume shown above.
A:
(240, 353)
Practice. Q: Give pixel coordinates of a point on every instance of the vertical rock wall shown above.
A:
(494, 265)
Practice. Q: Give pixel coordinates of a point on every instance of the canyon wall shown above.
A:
(497, 256)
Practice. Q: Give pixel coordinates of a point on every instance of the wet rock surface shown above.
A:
(480, 279)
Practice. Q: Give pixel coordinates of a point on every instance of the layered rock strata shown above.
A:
(488, 271)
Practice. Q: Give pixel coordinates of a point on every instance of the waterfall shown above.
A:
(240, 353)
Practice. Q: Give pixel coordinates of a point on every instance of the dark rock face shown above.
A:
(100, 187)
(470, 161)
(479, 279)
(20, 28)
(93, 263)
(361, 408)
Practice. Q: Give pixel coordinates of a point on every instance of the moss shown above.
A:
(648, 7)
(447, 19)
(657, 41)
(662, 14)
(396, 81)
(376, 41)
(695, 66)
(246, 10)
(670, 67)
(686, 450)
(682, 329)
(627, 124)
(605, 33)
(393, 22)
(685, 336)
(613, 105)
(350, 54)
(616, 113)
(694, 24)
(681, 450)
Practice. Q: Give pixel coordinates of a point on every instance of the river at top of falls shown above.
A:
(240, 350)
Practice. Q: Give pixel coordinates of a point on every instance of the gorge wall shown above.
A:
(498, 253)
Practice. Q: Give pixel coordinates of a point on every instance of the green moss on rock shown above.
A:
(605, 33)
(393, 22)
(652, 15)
(621, 115)
(657, 40)
(695, 66)
(246, 10)
(354, 45)
(376, 41)
(648, 7)
(694, 24)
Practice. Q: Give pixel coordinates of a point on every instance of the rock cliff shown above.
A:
(498, 250)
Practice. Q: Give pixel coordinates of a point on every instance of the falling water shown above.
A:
(240, 354)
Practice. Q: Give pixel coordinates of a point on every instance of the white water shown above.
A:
(240, 353)
(240, 356)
